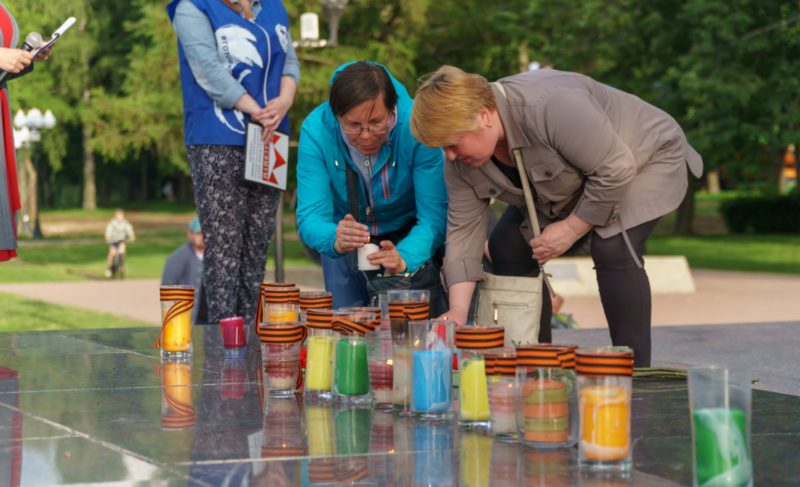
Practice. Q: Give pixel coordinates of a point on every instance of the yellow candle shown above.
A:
(318, 363)
(474, 400)
(605, 423)
(177, 333)
(282, 316)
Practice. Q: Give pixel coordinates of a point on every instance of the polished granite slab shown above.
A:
(83, 407)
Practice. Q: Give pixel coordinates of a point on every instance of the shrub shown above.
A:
(762, 214)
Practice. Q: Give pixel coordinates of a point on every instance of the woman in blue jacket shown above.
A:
(402, 196)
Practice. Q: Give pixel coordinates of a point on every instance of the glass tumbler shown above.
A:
(319, 354)
(404, 305)
(431, 371)
(604, 405)
(350, 363)
(280, 355)
(175, 339)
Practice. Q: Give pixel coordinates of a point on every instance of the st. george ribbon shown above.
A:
(32, 41)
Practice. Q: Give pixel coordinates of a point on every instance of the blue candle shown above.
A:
(432, 378)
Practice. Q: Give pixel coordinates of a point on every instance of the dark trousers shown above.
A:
(624, 287)
(238, 221)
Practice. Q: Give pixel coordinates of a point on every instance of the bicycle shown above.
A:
(118, 262)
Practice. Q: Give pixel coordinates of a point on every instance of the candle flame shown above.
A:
(389, 362)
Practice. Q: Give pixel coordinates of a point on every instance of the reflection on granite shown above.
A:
(100, 407)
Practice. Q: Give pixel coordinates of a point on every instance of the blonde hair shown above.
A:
(447, 104)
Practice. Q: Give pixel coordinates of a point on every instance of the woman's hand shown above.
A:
(14, 60)
(557, 238)
(350, 235)
(456, 314)
(271, 115)
(389, 258)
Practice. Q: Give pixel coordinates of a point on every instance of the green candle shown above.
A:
(352, 374)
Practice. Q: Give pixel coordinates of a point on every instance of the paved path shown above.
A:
(721, 298)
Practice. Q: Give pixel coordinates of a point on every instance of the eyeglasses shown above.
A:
(374, 128)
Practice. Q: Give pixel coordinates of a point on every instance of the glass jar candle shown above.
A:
(404, 305)
(472, 343)
(319, 354)
(503, 391)
(432, 371)
(280, 355)
(604, 405)
(350, 363)
(275, 292)
(175, 339)
(547, 416)
(381, 369)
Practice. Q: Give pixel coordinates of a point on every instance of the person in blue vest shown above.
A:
(237, 64)
(402, 196)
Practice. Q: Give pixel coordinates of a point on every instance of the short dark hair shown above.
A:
(359, 82)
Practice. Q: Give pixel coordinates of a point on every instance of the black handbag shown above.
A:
(427, 277)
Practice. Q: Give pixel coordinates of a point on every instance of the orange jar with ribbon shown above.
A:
(604, 403)
(175, 339)
(278, 302)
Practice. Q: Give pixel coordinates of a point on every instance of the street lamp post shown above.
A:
(29, 125)
(333, 10)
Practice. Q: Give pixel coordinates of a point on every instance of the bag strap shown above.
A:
(527, 193)
(352, 191)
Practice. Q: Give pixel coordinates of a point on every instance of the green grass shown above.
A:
(746, 253)
(65, 260)
(23, 314)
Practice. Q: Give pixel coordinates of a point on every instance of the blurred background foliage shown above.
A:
(725, 69)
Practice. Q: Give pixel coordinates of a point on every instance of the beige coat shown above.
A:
(609, 157)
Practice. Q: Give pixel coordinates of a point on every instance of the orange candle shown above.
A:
(605, 414)
(177, 336)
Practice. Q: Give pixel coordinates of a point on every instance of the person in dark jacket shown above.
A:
(185, 266)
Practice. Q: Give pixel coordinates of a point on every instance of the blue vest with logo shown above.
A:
(253, 51)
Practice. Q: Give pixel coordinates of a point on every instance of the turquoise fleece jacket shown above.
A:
(407, 184)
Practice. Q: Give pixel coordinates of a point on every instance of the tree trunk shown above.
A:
(685, 214)
(89, 187)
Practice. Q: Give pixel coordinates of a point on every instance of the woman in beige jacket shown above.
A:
(597, 158)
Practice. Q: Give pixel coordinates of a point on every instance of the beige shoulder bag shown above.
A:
(514, 301)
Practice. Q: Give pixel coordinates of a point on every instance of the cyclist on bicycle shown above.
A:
(118, 231)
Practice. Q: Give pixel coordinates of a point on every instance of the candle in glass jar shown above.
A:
(605, 413)
(381, 376)
(319, 356)
(281, 316)
(546, 411)
(474, 399)
(177, 335)
(432, 378)
(352, 376)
